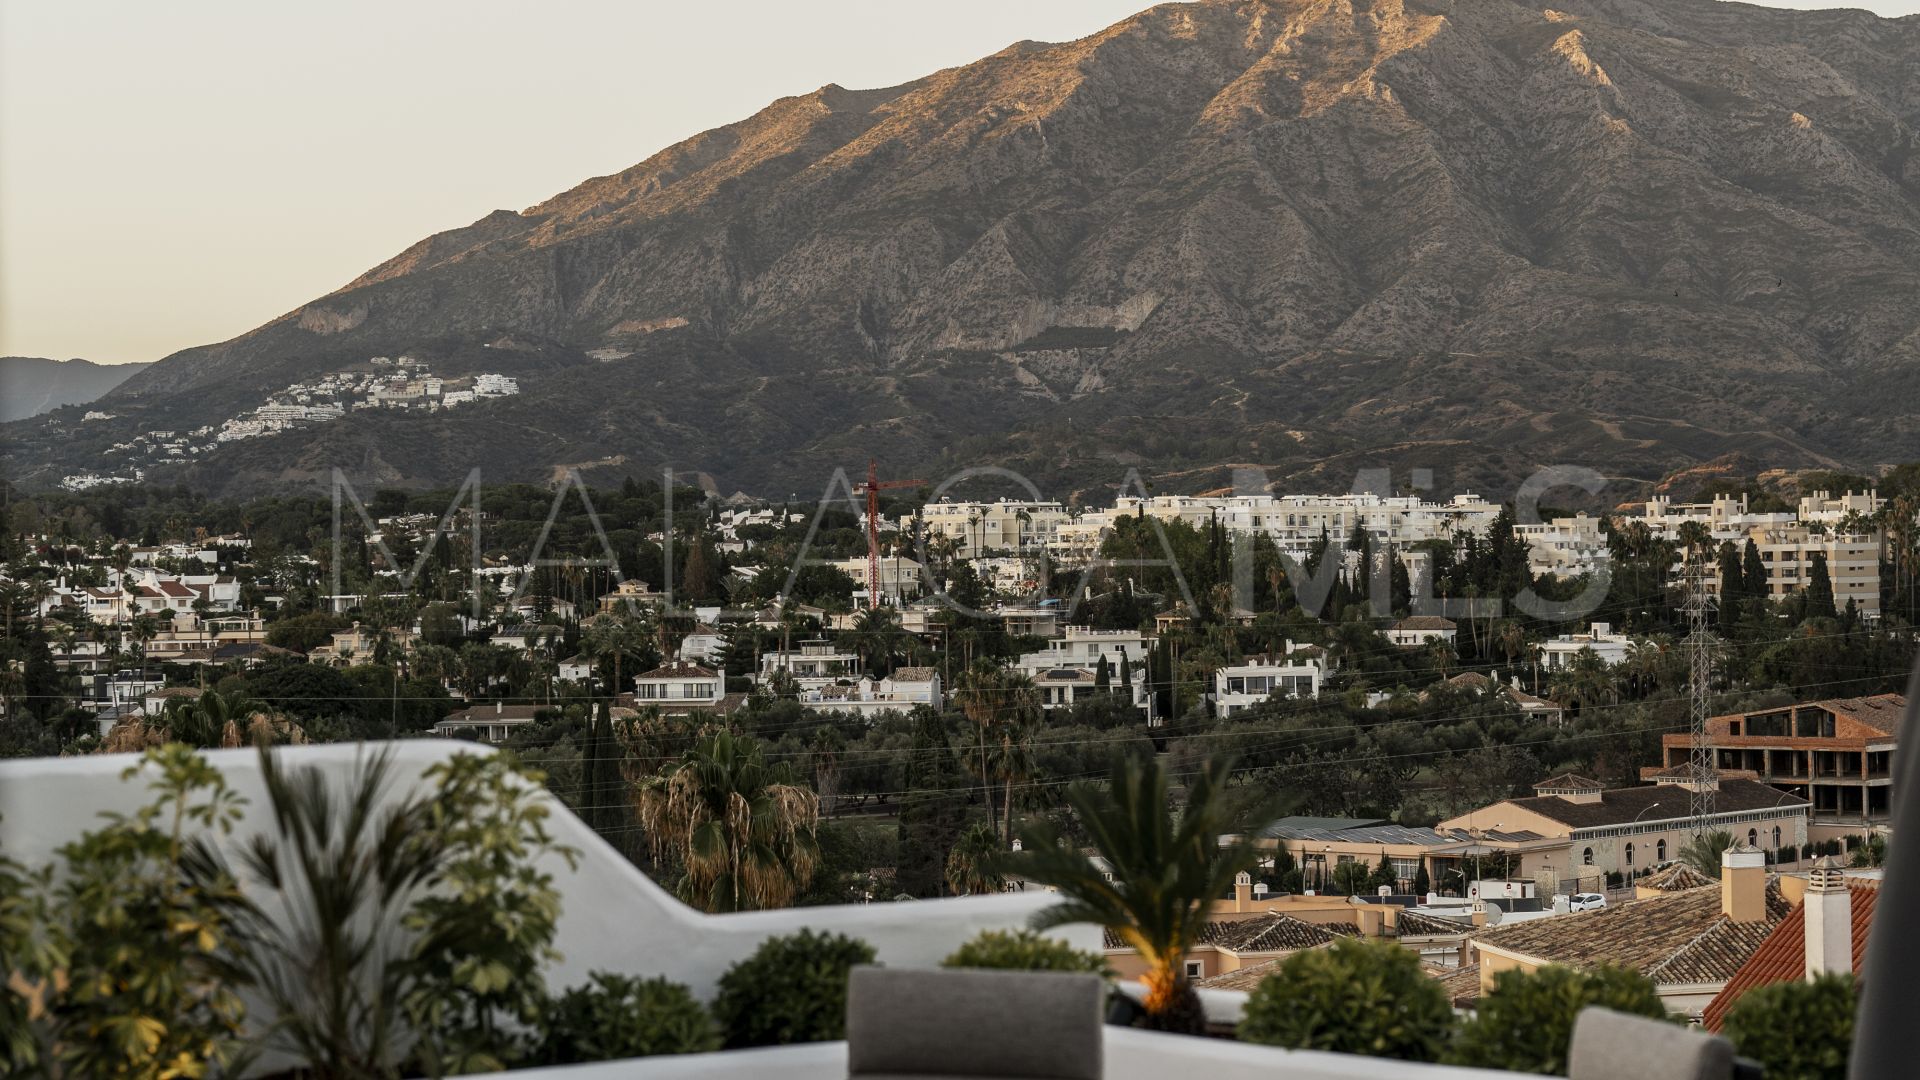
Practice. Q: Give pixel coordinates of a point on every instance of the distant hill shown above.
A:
(1472, 235)
(31, 385)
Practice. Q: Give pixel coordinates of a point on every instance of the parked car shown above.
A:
(1586, 901)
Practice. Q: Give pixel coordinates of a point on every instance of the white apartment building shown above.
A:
(1296, 521)
(1558, 654)
(1565, 547)
(1007, 526)
(1239, 687)
(1726, 517)
(1076, 541)
(900, 577)
(1853, 564)
(1824, 507)
(1082, 647)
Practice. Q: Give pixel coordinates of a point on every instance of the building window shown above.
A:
(1753, 838)
(1776, 838)
(1587, 856)
(1194, 970)
(1660, 851)
(1629, 854)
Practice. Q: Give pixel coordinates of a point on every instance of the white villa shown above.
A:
(1241, 686)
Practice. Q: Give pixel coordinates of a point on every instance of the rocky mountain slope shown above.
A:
(31, 385)
(1311, 235)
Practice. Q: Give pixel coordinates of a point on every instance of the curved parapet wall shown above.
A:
(613, 917)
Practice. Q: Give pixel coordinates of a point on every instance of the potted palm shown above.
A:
(1161, 873)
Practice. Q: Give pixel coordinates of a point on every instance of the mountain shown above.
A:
(1309, 235)
(31, 385)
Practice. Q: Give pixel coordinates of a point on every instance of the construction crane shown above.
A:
(872, 489)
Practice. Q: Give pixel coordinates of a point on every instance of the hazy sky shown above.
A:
(173, 174)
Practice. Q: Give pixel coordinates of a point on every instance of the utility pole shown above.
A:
(1701, 775)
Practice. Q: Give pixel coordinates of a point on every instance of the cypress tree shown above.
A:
(933, 812)
(1733, 585)
(1819, 589)
(1753, 572)
(600, 775)
(1103, 675)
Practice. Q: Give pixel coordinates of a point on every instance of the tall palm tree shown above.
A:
(970, 865)
(1010, 758)
(1511, 638)
(978, 695)
(743, 829)
(1161, 873)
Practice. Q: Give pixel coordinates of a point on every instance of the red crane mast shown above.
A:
(872, 489)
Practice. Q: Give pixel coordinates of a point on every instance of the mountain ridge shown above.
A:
(1623, 234)
(31, 385)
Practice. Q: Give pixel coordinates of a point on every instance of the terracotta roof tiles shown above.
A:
(1782, 957)
(1683, 929)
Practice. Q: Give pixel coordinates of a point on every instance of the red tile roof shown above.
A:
(1783, 955)
(1683, 933)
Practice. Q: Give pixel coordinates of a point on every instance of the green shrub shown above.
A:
(142, 932)
(1796, 1030)
(1354, 998)
(793, 989)
(1023, 950)
(29, 955)
(618, 1016)
(1524, 1025)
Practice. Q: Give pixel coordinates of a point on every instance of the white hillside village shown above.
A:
(388, 383)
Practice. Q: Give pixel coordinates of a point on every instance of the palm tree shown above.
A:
(970, 865)
(977, 696)
(1511, 637)
(13, 685)
(614, 638)
(1011, 756)
(144, 630)
(1642, 665)
(1703, 851)
(876, 638)
(1160, 876)
(743, 829)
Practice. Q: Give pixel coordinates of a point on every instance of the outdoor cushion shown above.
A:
(972, 1023)
(1614, 1046)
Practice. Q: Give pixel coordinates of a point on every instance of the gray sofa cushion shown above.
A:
(955, 1023)
(1614, 1046)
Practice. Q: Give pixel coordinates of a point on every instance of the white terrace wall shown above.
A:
(613, 917)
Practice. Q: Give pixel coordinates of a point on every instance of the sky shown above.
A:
(176, 174)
